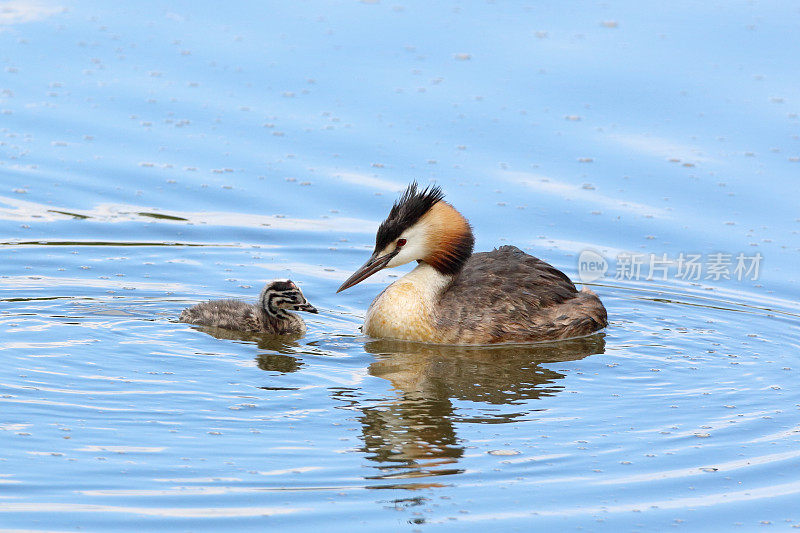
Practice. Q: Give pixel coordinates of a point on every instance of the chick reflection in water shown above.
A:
(415, 435)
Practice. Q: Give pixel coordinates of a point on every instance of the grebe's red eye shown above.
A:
(401, 242)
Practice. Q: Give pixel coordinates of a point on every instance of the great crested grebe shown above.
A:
(456, 297)
(270, 315)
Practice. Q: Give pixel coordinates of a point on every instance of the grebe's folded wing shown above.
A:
(507, 295)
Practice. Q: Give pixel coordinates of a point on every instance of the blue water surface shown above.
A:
(158, 154)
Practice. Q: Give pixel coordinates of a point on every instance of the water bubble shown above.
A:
(503, 452)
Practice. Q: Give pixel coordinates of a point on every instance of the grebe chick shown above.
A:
(270, 315)
(456, 297)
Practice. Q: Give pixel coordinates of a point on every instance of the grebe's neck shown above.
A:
(270, 312)
(428, 280)
(281, 321)
(407, 308)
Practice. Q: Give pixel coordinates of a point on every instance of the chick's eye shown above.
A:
(401, 242)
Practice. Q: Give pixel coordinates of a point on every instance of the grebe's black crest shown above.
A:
(406, 212)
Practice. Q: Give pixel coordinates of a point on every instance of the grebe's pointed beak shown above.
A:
(373, 264)
(307, 307)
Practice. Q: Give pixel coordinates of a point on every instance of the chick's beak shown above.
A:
(308, 308)
(373, 265)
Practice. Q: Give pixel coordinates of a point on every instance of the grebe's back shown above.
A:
(507, 295)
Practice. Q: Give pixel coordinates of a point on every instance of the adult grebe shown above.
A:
(455, 297)
(270, 315)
